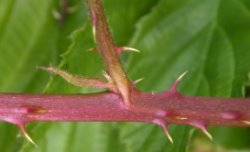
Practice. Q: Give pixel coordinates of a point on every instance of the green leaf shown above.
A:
(146, 138)
(123, 16)
(28, 36)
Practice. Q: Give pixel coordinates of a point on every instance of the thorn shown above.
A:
(200, 125)
(246, 122)
(119, 50)
(207, 134)
(173, 88)
(22, 129)
(163, 125)
(26, 135)
(130, 49)
(137, 81)
(177, 81)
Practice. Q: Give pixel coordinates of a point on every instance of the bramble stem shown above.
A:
(25, 108)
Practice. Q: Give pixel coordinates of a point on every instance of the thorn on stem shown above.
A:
(137, 81)
(200, 125)
(26, 135)
(119, 50)
(20, 124)
(177, 81)
(173, 88)
(247, 122)
(163, 125)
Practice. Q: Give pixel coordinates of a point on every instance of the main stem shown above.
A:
(173, 109)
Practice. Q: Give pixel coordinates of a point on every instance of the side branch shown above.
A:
(108, 50)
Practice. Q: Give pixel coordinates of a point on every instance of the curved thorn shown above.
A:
(177, 81)
(207, 134)
(182, 75)
(130, 49)
(137, 81)
(247, 122)
(163, 125)
(26, 135)
(203, 128)
(173, 89)
(119, 50)
(167, 134)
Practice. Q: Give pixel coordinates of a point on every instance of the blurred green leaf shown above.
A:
(27, 39)
(209, 38)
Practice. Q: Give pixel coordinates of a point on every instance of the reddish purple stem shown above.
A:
(170, 108)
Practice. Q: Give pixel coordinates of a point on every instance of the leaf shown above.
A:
(123, 16)
(24, 43)
(146, 138)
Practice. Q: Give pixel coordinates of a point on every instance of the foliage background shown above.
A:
(209, 38)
